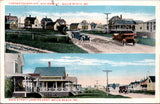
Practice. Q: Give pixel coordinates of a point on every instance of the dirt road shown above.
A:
(101, 44)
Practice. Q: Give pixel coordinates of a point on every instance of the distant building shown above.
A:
(146, 29)
(11, 22)
(59, 24)
(84, 25)
(147, 84)
(75, 26)
(47, 23)
(31, 22)
(93, 25)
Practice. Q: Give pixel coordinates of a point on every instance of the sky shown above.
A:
(75, 14)
(88, 68)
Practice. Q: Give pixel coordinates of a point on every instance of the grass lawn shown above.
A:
(41, 31)
(94, 94)
(51, 43)
(144, 92)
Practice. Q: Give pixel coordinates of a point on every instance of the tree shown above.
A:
(9, 87)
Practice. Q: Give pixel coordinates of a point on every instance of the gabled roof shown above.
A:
(12, 18)
(61, 21)
(31, 19)
(47, 19)
(50, 71)
(124, 22)
(152, 78)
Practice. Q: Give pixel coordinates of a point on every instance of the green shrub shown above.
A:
(9, 87)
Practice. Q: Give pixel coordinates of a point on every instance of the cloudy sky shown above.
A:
(89, 67)
(74, 14)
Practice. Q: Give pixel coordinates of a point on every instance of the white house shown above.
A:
(146, 29)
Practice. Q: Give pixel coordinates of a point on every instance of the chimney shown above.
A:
(67, 75)
(46, 16)
(9, 14)
(29, 15)
(49, 64)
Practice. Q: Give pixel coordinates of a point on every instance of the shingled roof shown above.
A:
(31, 19)
(124, 22)
(50, 71)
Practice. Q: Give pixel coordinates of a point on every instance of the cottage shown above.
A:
(133, 86)
(75, 26)
(47, 23)
(151, 83)
(117, 24)
(93, 25)
(54, 82)
(59, 24)
(146, 29)
(85, 25)
(31, 22)
(80, 26)
(11, 22)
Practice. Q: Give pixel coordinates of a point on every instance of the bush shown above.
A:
(144, 92)
(9, 87)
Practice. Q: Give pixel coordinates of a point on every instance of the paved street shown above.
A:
(101, 44)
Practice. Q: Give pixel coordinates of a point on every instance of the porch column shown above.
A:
(46, 85)
(56, 85)
(25, 83)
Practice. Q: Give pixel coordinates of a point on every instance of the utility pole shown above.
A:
(107, 21)
(107, 71)
(97, 83)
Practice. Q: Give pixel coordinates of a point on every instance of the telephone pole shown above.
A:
(107, 21)
(107, 71)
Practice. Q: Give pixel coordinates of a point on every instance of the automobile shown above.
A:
(125, 38)
(79, 36)
(123, 89)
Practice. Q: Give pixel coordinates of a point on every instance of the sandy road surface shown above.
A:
(133, 95)
(101, 44)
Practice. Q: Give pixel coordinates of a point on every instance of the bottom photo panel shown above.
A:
(79, 76)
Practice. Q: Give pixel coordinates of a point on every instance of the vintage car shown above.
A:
(125, 38)
(79, 36)
(123, 89)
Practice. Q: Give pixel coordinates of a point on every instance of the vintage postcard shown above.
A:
(56, 51)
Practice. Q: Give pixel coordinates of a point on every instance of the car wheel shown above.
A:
(81, 39)
(133, 43)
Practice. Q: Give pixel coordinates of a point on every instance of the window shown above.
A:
(147, 26)
(154, 26)
(140, 28)
(16, 68)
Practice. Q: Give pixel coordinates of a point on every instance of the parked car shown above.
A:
(123, 89)
(125, 38)
(79, 36)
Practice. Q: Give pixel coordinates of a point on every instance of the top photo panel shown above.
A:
(80, 29)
